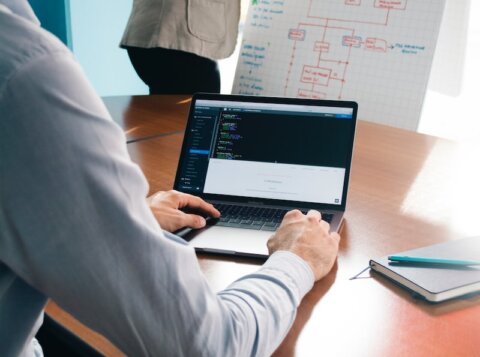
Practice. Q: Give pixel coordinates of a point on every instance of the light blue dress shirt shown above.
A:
(75, 226)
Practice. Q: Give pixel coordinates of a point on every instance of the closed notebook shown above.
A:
(436, 282)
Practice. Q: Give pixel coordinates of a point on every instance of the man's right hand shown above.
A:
(166, 207)
(308, 237)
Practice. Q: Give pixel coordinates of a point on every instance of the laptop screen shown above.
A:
(279, 151)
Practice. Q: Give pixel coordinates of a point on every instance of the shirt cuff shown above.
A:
(295, 267)
(174, 237)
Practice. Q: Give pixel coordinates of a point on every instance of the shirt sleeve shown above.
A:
(76, 227)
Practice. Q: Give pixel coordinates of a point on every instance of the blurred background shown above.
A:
(92, 29)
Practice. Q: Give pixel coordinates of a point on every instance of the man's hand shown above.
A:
(308, 237)
(166, 206)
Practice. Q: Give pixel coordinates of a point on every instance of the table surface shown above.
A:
(406, 190)
(143, 118)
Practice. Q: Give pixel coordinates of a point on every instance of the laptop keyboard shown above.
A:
(259, 218)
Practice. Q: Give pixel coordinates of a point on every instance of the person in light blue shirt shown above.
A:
(76, 227)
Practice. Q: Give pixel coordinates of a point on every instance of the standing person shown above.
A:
(174, 44)
(76, 227)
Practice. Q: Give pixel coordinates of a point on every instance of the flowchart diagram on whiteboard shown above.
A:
(376, 52)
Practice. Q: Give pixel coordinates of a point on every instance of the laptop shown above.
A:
(256, 158)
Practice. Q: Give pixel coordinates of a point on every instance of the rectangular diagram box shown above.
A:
(310, 94)
(353, 41)
(316, 75)
(295, 34)
(321, 46)
(391, 4)
(375, 44)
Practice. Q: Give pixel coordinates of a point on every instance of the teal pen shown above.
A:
(425, 260)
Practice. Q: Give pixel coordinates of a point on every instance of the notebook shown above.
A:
(256, 158)
(436, 283)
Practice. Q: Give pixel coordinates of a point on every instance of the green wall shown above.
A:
(55, 17)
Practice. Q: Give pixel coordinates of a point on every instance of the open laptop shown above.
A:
(256, 158)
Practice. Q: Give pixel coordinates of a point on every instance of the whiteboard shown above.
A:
(377, 52)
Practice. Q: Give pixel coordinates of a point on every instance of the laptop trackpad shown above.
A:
(232, 241)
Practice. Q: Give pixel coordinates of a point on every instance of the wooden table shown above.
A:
(143, 118)
(407, 190)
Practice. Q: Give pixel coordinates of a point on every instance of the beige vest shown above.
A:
(207, 28)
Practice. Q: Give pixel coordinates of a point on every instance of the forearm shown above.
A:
(263, 305)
